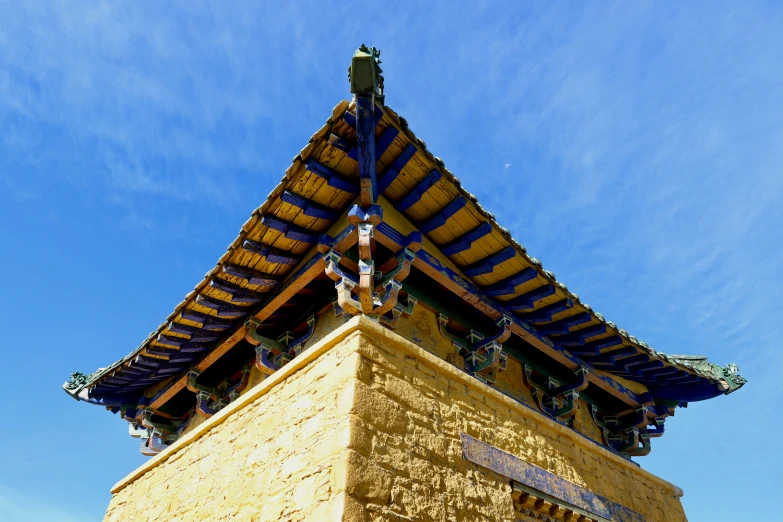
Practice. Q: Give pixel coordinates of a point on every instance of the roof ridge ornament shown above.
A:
(364, 73)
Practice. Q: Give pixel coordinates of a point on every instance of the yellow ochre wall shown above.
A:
(365, 426)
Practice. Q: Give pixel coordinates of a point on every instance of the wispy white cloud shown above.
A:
(640, 142)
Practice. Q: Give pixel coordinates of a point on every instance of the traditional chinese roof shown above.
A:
(269, 273)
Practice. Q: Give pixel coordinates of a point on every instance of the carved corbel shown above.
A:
(482, 357)
(657, 431)
(344, 298)
(624, 434)
(145, 449)
(207, 406)
(156, 436)
(272, 354)
(369, 302)
(628, 442)
(405, 258)
(557, 401)
(638, 419)
(399, 310)
(209, 399)
(644, 449)
(197, 388)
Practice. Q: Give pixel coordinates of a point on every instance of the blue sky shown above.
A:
(634, 147)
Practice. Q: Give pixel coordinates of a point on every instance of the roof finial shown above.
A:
(364, 74)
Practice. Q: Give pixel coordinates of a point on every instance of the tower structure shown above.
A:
(375, 346)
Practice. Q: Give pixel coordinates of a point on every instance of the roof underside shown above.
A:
(320, 185)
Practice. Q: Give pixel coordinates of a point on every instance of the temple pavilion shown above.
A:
(374, 345)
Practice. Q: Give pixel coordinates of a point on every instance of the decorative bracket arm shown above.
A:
(162, 427)
(501, 336)
(271, 354)
(405, 258)
(233, 391)
(624, 434)
(482, 356)
(628, 441)
(553, 399)
(207, 406)
(637, 419)
(658, 430)
(456, 341)
(369, 302)
(333, 270)
(399, 310)
(196, 388)
(156, 436)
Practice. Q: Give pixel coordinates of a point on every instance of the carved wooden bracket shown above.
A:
(272, 354)
(481, 356)
(554, 400)
(625, 433)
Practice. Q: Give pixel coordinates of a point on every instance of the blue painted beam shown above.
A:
(149, 362)
(579, 337)
(160, 351)
(185, 345)
(418, 191)
(594, 347)
(626, 364)
(195, 347)
(649, 365)
(508, 285)
(382, 143)
(113, 379)
(332, 177)
(544, 315)
(136, 372)
(170, 340)
(338, 143)
(488, 264)
(658, 374)
(237, 293)
(172, 369)
(611, 357)
(564, 325)
(210, 322)
(681, 377)
(528, 300)
(223, 309)
(440, 218)
(691, 394)
(253, 277)
(394, 170)
(272, 255)
(365, 143)
(193, 332)
(350, 119)
(465, 241)
(289, 230)
(309, 208)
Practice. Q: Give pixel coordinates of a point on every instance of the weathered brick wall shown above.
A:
(365, 426)
(409, 410)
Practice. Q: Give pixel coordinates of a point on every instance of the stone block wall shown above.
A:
(366, 426)
(276, 453)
